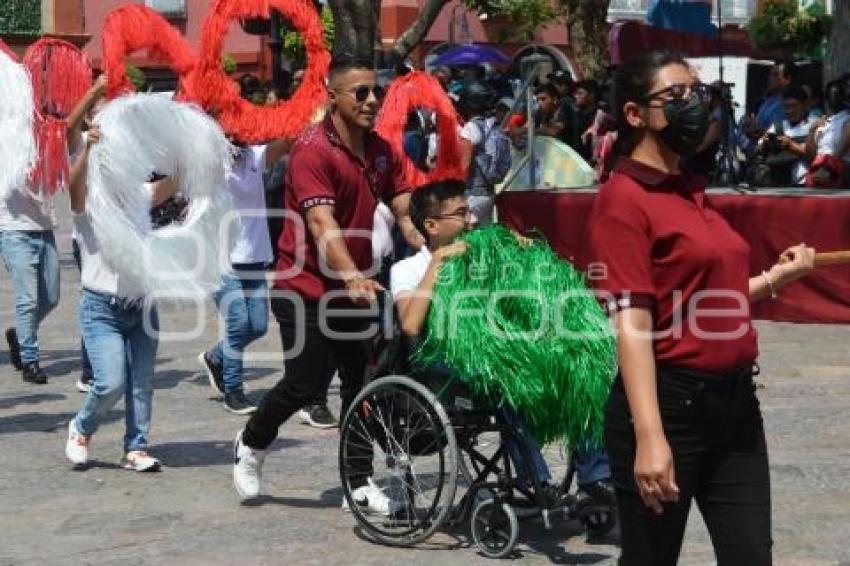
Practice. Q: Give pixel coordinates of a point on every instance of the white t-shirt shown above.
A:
(23, 211)
(96, 275)
(245, 183)
(382, 237)
(798, 131)
(407, 274)
(471, 132)
(829, 136)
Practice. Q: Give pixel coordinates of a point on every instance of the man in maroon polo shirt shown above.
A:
(338, 171)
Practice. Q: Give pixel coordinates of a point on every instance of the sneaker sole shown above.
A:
(209, 373)
(75, 463)
(82, 387)
(154, 468)
(245, 411)
(306, 420)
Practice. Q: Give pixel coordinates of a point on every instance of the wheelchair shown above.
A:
(440, 453)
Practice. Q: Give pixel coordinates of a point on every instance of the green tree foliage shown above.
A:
(229, 64)
(526, 17)
(20, 16)
(293, 44)
(782, 25)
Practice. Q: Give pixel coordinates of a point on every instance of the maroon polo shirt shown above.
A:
(323, 171)
(657, 243)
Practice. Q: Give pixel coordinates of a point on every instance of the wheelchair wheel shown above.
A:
(495, 528)
(398, 432)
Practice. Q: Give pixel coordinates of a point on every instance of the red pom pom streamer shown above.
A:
(61, 75)
(213, 89)
(414, 90)
(134, 27)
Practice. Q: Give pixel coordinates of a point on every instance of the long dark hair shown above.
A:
(632, 82)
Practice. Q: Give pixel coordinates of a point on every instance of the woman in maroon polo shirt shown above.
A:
(683, 422)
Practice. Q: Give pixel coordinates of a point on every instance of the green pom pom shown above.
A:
(519, 324)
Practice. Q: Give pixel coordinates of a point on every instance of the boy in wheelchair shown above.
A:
(440, 212)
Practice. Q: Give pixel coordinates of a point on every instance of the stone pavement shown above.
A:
(189, 514)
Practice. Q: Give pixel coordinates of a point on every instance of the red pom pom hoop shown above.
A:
(134, 27)
(60, 75)
(419, 89)
(214, 90)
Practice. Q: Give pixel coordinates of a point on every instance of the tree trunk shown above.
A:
(414, 35)
(356, 27)
(837, 59)
(587, 26)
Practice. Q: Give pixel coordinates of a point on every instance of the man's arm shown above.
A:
(163, 190)
(77, 188)
(75, 119)
(333, 250)
(413, 306)
(811, 140)
(400, 205)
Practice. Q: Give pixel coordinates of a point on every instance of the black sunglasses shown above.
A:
(361, 93)
(679, 91)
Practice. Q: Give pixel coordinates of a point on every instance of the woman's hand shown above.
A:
(92, 136)
(795, 262)
(654, 472)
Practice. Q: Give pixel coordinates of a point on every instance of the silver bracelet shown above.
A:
(767, 280)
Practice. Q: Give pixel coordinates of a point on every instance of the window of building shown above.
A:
(168, 7)
(733, 11)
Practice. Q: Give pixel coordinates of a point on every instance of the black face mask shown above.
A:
(687, 124)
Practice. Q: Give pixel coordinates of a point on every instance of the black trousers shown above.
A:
(714, 427)
(305, 372)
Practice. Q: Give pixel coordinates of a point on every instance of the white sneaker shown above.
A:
(83, 386)
(140, 461)
(247, 469)
(77, 447)
(370, 498)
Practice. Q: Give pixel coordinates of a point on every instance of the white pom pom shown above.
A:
(144, 134)
(17, 143)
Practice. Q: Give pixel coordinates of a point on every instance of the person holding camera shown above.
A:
(783, 146)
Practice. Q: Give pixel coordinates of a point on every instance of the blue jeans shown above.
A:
(33, 266)
(512, 443)
(122, 355)
(244, 305)
(85, 364)
(591, 465)
(438, 373)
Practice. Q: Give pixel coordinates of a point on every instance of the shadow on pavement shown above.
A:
(30, 400)
(47, 422)
(194, 454)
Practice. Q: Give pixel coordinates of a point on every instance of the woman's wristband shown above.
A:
(770, 286)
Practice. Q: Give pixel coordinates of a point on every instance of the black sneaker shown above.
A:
(318, 416)
(594, 497)
(553, 497)
(237, 402)
(214, 372)
(34, 374)
(14, 349)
